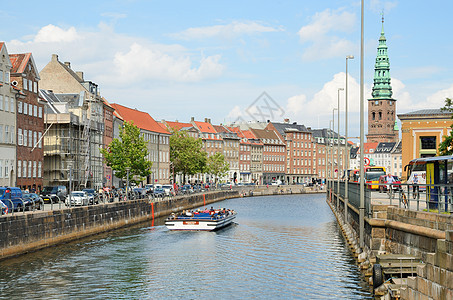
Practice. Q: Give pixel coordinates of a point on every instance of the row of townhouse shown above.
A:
(384, 154)
(259, 152)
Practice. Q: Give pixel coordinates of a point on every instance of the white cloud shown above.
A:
(233, 29)
(146, 63)
(52, 34)
(108, 58)
(379, 5)
(437, 100)
(323, 44)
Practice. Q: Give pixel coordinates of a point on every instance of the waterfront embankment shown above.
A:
(25, 232)
(389, 229)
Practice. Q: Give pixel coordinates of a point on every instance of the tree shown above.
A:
(129, 151)
(186, 154)
(217, 166)
(446, 147)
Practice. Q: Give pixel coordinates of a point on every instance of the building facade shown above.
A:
(422, 132)
(7, 121)
(29, 123)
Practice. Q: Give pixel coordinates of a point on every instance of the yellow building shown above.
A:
(421, 133)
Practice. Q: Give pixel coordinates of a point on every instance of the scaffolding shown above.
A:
(73, 140)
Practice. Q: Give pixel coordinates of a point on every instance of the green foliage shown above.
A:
(186, 154)
(446, 147)
(128, 151)
(217, 165)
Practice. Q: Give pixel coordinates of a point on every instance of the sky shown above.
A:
(241, 60)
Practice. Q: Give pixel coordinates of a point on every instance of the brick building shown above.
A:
(29, 123)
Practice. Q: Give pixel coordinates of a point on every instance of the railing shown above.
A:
(437, 198)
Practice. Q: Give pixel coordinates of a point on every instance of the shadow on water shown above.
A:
(278, 247)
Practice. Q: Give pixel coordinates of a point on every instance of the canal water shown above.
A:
(280, 247)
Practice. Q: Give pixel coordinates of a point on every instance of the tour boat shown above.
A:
(207, 220)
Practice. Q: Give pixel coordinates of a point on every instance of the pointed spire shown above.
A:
(382, 30)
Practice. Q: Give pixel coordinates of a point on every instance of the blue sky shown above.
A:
(182, 59)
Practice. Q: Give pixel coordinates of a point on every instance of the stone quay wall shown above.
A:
(22, 233)
(393, 230)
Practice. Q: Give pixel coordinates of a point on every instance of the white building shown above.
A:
(7, 121)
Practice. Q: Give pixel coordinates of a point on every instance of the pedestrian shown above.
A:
(390, 182)
(415, 186)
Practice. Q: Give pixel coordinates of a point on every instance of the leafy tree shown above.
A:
(186, 154)
(217, 165)
(446, 147)
(128, 151)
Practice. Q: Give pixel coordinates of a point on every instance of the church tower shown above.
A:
(382, 107)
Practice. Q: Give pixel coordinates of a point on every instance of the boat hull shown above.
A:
(199, 224)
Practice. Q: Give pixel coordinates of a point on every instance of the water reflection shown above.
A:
(280, 247)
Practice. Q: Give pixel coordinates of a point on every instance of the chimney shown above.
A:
(286, 121)
(67, 64)
(54, 57)
(294, 123)
(80, 74)
(209, 121)
(192, 119)
(206, 120)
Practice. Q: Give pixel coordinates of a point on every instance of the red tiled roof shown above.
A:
(205, 127)
(178, 125)
(370, 146)
(19, 62)
(141, 119)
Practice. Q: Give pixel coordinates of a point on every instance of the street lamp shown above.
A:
(332, 144)
(338, 150)
(127, 182)
(362, 136)
(70, 181)
(346, 160)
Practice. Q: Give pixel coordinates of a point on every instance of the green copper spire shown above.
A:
(382, 88)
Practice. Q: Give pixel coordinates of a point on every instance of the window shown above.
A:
(29, 168)
(6, 103)
(39, 169)
(30, 85)
(35, 87)
(34, 169)
(20, 137)
(30, 110)
(1, 102)
(11, 106)
(25, 81)
(35, 111)
(6, 134)
(25, 137)
(6, 168)
(24, 168)
(13, 131)
(35, 138)
(40, 140)
(1, 76)
(1, 168)
(428, 142)
(30, 139)
(25, 108)
(40, 112)
(19, 169)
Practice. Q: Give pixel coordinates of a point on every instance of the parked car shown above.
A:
(93, 197)
(12, 198)
(33, 201)
(383, 182)
(78, 198)
(54, 194)
(168, 188)
(186, 189)
(140, 193)
(159, 192)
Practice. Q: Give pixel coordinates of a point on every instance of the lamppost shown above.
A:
(338, 150)
(70, 181)
(346, 160)
(127, 182)
(332, 144)
(362, 137)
